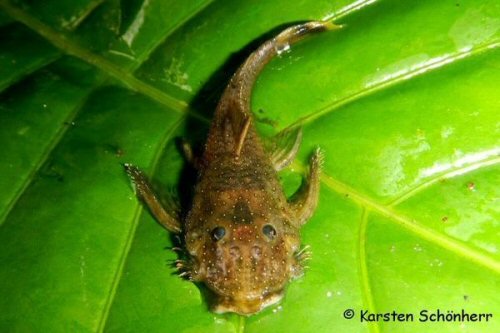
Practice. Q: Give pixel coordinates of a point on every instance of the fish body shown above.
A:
(242, 234)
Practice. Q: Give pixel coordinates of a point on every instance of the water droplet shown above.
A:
(280, 49)
(417, 248)
(329, 294)
(436, 263)
(23, 130)
(446, 132)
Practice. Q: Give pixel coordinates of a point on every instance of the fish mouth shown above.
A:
(246, 306)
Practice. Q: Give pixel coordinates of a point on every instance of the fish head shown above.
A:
(246, 257)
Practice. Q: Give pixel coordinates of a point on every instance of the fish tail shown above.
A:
(235, 102)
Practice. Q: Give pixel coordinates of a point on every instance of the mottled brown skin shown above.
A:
(242, 233)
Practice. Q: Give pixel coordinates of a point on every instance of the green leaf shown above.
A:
(403, 100)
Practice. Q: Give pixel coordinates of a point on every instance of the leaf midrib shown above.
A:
(62, 42)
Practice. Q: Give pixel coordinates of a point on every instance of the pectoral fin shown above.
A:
(144, 190)
(304, 202)
(284, 148)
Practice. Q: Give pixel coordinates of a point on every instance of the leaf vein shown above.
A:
(40, 63)
(156, 42)
(449, 174)
(429, 67)
(67, 46)
(44, 156)
(363, 271)
(133, 228)
(475, 256)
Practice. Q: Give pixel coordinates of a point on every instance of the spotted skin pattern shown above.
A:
(241, 234)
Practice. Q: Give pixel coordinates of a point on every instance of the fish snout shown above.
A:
(246, 253)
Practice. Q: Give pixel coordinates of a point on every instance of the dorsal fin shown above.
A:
(235, 124)
(242, 131)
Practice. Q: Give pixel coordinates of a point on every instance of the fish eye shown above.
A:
(218, 233)
(269, 231)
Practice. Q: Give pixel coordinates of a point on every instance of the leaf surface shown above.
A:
(403, 100)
